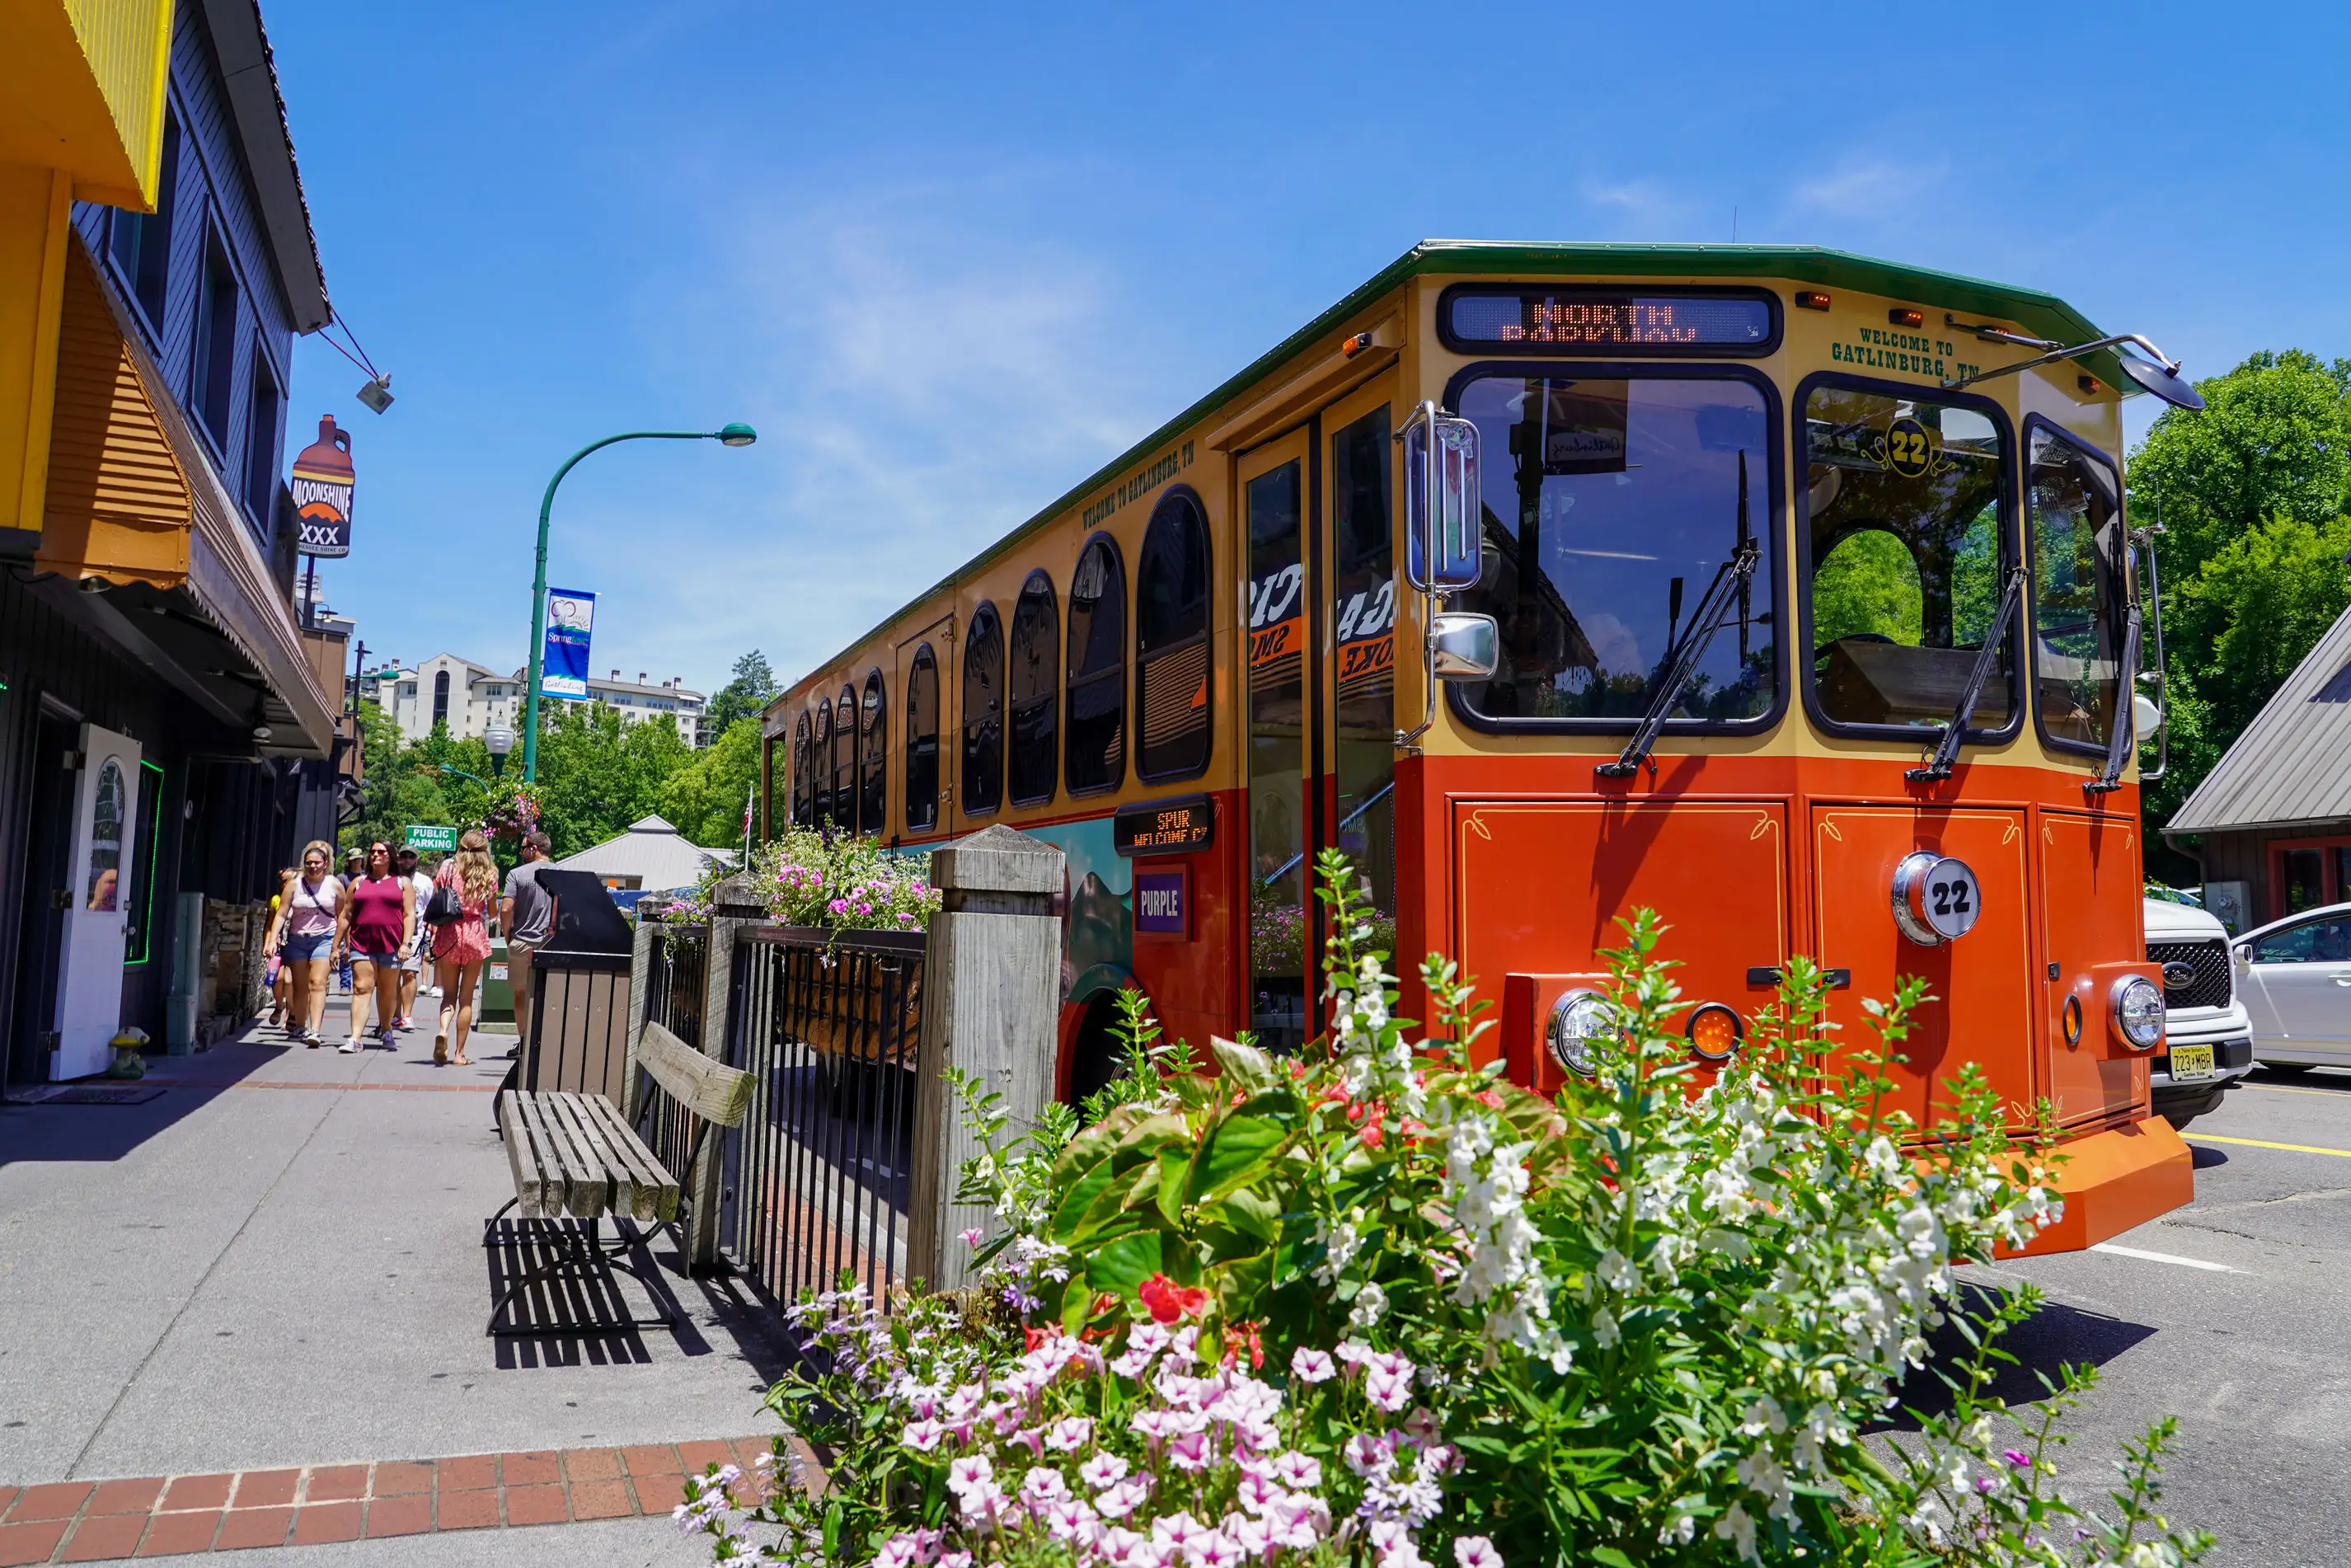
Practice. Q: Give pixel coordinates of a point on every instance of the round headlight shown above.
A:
(2138, 1012)
(1579, 1019)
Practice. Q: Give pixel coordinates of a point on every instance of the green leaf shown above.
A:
(1070, 1214)
(1237, 1147)
(1611, 1556)
(1247, 1066)
(1123, 1264)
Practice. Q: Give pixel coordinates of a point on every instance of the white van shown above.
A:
(2208, 1035)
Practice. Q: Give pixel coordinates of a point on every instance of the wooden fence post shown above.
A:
(732, 908)
(641, 968)
(991, 1006)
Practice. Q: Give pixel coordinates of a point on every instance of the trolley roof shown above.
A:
(2042, 315)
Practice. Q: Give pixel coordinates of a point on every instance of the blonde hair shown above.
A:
(477, 873)
(317, 847)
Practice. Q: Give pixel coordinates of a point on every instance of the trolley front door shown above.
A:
(1320, 598)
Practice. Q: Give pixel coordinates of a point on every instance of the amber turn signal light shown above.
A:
(1811, 299)
(1714, 1031)
(1356, 345)
(1903, 317)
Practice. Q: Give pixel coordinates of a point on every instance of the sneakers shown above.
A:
(351, 1048)
(311, 1037)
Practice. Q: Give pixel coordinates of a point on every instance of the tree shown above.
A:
(705, 799)
(2254, 497)
(598, 773)
(753, 688)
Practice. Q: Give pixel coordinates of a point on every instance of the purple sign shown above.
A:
(1159, 898)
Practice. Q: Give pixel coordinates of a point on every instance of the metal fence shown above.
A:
(674, 998)
(815, 1183)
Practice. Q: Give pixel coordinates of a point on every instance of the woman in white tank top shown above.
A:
(307, 906)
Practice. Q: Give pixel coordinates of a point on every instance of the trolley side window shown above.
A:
(803, 769)
(1611, 506)
(2080, 594)
(844, 762)
(874, 774)
(922, 741)
(820, 768)
(1036, 692)
(1902, 509)
(1171, 643)
(1095, 748)
(983, 713)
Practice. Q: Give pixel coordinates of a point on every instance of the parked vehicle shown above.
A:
(2207, 1038)
(2296, 977)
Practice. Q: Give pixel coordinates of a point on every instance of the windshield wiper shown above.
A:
(2110, 777)
(1955, 728)
(1720, 595)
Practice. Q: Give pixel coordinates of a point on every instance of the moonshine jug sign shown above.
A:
(323, 491)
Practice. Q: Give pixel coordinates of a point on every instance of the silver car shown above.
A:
(2296, 977)
(2207, 1036)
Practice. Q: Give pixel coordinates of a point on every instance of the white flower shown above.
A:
(1309, 1365)
(1737, 1526)
(1476, 1552)
(1371, 1305)
(1616, 1271)
(1605, 1332)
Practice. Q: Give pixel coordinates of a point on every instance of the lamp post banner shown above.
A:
(569, 616)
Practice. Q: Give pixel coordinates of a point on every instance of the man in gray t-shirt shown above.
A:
(525, 915)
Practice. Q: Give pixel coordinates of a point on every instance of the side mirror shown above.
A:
(2146, 719)
(1442, 503)
(1464, 647)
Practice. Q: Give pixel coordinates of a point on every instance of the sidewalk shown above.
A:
(275, 1264)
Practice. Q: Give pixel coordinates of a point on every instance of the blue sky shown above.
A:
(949, 258)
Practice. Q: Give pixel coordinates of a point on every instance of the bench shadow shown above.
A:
(2058, 1334)
(575, 1316)
(33, 1129)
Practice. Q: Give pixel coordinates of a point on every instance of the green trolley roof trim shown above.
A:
(2043, 315)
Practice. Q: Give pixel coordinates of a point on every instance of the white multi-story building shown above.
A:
(471, 698)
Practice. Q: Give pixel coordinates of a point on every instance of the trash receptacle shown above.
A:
(497, 991)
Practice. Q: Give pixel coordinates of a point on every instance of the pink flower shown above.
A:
(1042, 1485)
(1102, 1470)
(1257, 1493)
(1124, 1498)
(1299, 1472)
(1366, 1456)
(971, 1238)
(1476, 1552)
(980, 1502)
(922, 1436)
(1067, 1518)
(2021, 1460)
(1069, 1435)
(973, 1470)
(1192, 1451)
(1177, 1529)
(1212, 1549)
(1388, 1392)
(1312, 1366)
(1255, 1537)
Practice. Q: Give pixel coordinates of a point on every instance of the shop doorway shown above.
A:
(48, 815)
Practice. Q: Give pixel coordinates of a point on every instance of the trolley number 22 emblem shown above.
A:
(1936, 900)
(1908, 449)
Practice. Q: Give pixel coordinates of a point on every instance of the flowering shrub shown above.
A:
(1658, 1320)
(844, 882)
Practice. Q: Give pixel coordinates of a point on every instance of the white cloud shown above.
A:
(1868, 187)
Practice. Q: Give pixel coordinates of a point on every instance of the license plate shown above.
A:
(2190, 1062)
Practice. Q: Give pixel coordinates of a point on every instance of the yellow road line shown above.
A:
(2260, 1144)
(2283, 1089)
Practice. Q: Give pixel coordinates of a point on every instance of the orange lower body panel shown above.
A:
(2116, 1179)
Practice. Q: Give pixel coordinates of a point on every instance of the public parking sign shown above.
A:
(422, 838)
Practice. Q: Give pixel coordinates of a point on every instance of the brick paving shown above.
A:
(161, 1516)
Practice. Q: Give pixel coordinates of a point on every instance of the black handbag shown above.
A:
(444, 906)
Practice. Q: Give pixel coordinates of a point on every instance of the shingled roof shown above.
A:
(2292, 764)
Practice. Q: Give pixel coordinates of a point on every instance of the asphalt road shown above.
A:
(2239, 1325)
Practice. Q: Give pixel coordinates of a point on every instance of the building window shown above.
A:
(1171, 643)
(1036, 691)
(922, 741)
(820, 767)
(844, 762)
(1094, 755)
(142, 242)
(261, 446)
(214, 382)
(804, 780)
(440, 697)
(983, 713)
(874, 776)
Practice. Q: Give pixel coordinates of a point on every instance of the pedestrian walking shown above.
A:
(278, 977)
(526, 914)
(354, 867)
(461, 943)
(411, 958)
(379, 921)
(311, 903)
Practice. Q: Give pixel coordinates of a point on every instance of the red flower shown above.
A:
(1490, 1098)
(1035, 1336)
(1168, 1302)
(1371, 1135)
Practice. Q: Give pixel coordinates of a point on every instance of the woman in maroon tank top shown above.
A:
(379, 919)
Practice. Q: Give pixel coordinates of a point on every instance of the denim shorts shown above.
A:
(381, 960)
(302, 949)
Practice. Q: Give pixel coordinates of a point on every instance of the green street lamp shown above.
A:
(736, 434)
(453, 768)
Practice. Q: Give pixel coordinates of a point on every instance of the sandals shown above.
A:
(440, 1052)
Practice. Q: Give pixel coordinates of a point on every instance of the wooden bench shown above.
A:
(574, 1159)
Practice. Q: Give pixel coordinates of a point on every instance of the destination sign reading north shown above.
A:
(1164, 827)
(1619, 323)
